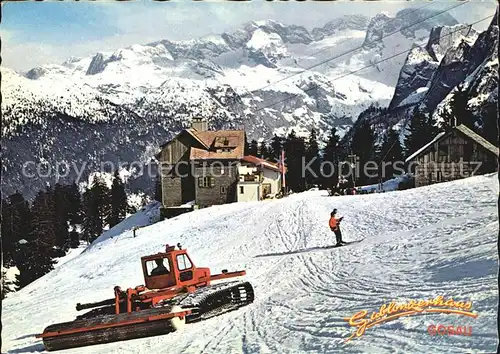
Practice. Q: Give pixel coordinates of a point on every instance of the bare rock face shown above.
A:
(446, 47)
(35, 73)
(97, 65)
(407, 22)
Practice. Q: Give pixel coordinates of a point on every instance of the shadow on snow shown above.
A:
(306, 250)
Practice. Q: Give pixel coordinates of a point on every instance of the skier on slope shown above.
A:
(334, 224)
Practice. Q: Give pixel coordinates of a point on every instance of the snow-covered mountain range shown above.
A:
(120, 106)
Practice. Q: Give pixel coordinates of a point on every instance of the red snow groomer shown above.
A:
(175, 293)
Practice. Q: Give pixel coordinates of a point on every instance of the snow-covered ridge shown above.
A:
(426, 242)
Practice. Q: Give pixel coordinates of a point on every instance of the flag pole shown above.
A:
(283, 169)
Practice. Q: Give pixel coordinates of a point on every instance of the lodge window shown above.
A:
(206, 182)
(222, 190)
(242, 190)
(439, 176)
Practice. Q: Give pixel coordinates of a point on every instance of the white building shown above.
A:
(258, 179)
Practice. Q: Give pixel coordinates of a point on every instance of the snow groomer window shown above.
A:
(158, 267)
(183, 262)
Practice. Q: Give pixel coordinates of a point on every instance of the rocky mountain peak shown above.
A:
(407, 21)
(443, 38)
(347, 22)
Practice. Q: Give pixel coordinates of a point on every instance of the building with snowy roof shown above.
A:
(453, 154)
(202, 167)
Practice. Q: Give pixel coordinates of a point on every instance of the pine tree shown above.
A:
(90, 216)
(431, 127)
(391, 155)
(74, 239)
(96, 209)
(8, 238)
(312, 160)
(363, 140)
(490, 123)
(74, 204)
(264, 151)
(102, 195)
(246, 146)
(418, 132)
(119, 203)
(62, 216)
(460, 108)
(276, 147)
(253, 148)
(295, 150)
(16, 224)
(45, 218)
(33, 261)
(5, 285)
(332, 156)
(447, 119)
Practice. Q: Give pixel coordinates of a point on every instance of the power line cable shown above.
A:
(382, 60)
(432, 84)
(387, 23)
(360, 47)
(365, 67)
(337, 44)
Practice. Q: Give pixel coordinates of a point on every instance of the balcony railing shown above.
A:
(249, 178)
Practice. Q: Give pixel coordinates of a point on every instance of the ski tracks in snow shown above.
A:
(417, 244)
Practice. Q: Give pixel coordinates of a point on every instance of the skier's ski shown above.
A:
(348, 243)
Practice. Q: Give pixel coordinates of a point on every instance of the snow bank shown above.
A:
(148, 215)
(416, 244)
(387, 186)
(70, 254)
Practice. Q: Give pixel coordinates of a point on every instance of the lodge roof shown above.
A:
(215, 144)
(219, 144)
(464, 130)
(261, 162)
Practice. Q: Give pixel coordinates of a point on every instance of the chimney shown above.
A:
(199, 124)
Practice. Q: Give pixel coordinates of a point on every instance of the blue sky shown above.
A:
(37, 33)
(55, 21)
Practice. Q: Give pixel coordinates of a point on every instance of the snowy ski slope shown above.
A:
(418, 244)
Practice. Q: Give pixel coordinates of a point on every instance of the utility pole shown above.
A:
(282, 167)
(352, 159)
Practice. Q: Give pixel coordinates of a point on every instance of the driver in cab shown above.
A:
(160, 268)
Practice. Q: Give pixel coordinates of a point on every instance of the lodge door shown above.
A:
(266, 189)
